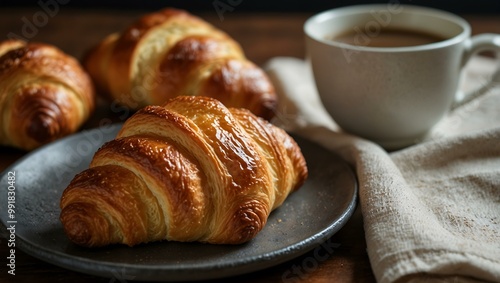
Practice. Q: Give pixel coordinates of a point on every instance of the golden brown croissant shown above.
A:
(170, 53)
(44, 94)
(191, 170)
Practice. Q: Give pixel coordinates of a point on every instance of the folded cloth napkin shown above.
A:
(431, 211)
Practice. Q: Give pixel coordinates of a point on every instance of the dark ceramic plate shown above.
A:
(307, 218)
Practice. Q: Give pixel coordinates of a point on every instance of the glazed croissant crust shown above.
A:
(44, 94)
(170, 53)
(190, 170)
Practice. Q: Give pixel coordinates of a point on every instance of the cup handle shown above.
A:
(478, 43)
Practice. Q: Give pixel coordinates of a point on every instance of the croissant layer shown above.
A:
(44, 94)
(171, 53)
(190, 170)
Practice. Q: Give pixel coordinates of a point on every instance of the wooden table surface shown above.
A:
(263, 36)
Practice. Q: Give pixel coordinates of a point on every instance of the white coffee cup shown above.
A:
(390, 95)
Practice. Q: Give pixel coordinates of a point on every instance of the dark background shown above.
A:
(461, 7)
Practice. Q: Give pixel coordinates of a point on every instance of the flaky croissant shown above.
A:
(170, 53)
(191, 170)
(44, 94)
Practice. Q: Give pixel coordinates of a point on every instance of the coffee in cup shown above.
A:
(390, 37)
(390, 72)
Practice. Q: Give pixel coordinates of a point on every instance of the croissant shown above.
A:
(170, 53)
(190, 170)
(44, 94)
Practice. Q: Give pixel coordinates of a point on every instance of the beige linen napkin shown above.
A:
(431, 211)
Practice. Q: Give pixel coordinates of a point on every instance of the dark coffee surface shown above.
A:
(387, 38)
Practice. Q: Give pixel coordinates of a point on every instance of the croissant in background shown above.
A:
(170, 53)
(44, 94)
(191, 170)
